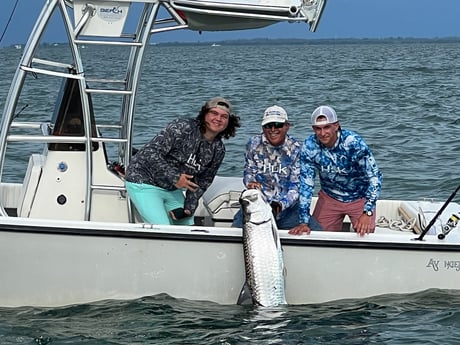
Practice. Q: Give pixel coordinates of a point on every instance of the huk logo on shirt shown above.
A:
(331, 168)
(191, 162)
(275, 168)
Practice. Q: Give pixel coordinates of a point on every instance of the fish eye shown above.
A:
(244, 202)
(252, 197)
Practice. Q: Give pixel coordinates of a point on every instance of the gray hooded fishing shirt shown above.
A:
(179, 148)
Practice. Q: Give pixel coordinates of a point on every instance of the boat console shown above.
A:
(69, 175)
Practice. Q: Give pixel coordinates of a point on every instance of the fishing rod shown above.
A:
(9, 20)
(420, 238)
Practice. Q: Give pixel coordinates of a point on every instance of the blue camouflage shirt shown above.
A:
(275, 167)
(347, 171)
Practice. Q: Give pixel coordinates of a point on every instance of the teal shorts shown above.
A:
(154, 203)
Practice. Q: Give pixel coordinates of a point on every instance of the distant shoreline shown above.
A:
(318, 41)
(287, 41)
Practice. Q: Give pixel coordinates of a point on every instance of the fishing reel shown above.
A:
(451, 223)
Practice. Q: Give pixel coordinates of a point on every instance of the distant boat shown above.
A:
(215, 45)
(18, 46)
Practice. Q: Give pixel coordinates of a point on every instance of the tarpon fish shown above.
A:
(262, 253)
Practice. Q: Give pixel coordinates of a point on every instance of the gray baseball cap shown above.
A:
(219, 102)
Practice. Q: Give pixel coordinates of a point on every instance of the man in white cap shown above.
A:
(272, 165)
(349, 176)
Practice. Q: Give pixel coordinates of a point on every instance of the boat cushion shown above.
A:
(425, 210)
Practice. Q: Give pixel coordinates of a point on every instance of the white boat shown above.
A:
(68, 233)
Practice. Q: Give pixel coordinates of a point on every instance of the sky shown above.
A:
(341, 19)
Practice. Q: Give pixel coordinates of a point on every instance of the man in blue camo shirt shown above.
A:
(349, 176)
(272, 165)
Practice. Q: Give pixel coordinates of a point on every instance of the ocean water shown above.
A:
(401, 96)
(429, 317)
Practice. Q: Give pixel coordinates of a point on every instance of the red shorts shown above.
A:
(330, 212)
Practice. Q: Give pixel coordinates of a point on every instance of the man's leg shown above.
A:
(314, 224)
(289, 218)
(149, 202)
(329, 212)
(238, 219)
(175, 199)
(355, 209)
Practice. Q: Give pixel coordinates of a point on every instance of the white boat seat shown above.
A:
(9, 194)
(424, 211)
(221, 200)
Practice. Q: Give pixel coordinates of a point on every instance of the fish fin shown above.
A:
(245, 296)
(275, 233)
(278, 242)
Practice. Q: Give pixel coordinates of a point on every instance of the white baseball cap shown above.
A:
(325, 111)
(274, 113)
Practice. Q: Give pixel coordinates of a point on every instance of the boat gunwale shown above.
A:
(228, 235)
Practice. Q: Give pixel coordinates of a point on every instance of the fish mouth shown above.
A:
(248, 198)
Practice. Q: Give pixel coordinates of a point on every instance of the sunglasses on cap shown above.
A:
(223, 104)
(277, 125)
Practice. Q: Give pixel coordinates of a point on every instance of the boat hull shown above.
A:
(45, 264)
(68, 231)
